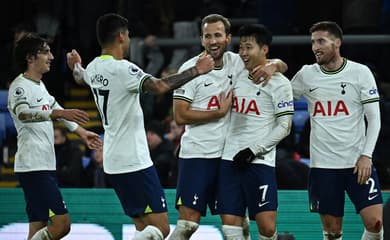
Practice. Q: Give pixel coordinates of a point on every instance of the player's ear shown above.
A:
(229, 38)
(337, 42)
(121, 36)
(29, 58)
(265, 49)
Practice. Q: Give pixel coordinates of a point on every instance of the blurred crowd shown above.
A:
(69, 24)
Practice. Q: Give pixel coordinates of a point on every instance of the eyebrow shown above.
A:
(44, 50)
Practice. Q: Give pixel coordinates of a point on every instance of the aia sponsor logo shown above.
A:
(330, 108)
(245, 106)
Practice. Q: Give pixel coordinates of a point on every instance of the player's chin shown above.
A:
(321, 60)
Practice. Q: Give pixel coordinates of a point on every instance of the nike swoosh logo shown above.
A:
(263, 204)
(372, 197)
(312, 89)
(230, 76)
(39, 99)
(207, 84)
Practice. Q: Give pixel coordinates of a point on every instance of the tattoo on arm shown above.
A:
(176, 80)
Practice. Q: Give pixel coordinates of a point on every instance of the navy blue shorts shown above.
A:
(42, 195)
(139, 192)
(327, 189)
(254, 187)
(196, 184)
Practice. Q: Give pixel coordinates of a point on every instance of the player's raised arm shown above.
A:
(73, 60)
(204, 65)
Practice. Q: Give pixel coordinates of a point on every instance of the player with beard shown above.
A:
(203, 105)
(341, 94)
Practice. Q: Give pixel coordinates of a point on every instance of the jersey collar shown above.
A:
(337, 70)
(105, 57)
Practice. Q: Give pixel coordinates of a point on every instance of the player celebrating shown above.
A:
(32, 109)
(341, 94)
(203, 105)
(116, 84)
(261, 117)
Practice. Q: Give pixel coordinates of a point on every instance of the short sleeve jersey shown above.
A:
(254, 112)
(35, 145)
(335, 104)
(116, 85)
(206, 140)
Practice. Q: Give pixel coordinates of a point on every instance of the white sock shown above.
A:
(149, 233)
(332, 236)
(232, 232)
(184, 230)
(372, 235)
(245, 228)
(42, 234)
(273, 237)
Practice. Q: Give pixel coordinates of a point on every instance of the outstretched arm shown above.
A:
(91, 139)
(204, 65)
(263, 73)
(27, 114)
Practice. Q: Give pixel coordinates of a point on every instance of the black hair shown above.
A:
(108, 26)
(261, 33)
(28, 46)
(328, 26)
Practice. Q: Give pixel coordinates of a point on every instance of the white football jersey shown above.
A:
(335, 104)
(254, 112)
(35, 150)
(206, 140)
(116, 85)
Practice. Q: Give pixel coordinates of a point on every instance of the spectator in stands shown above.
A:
(95, 176)
(161, 152)
(163, 103)
(174, 134)
(291, 174)
(341, 94)
(69, 160)
(7, 68)
(116, 84)
(303, 145)
(382, 150)
(33, 110)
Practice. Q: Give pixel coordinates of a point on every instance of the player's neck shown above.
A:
(334, 64)
(33, 76)
(116, 52)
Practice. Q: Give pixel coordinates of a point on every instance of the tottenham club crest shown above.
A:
(18, 92)
(133, 70)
